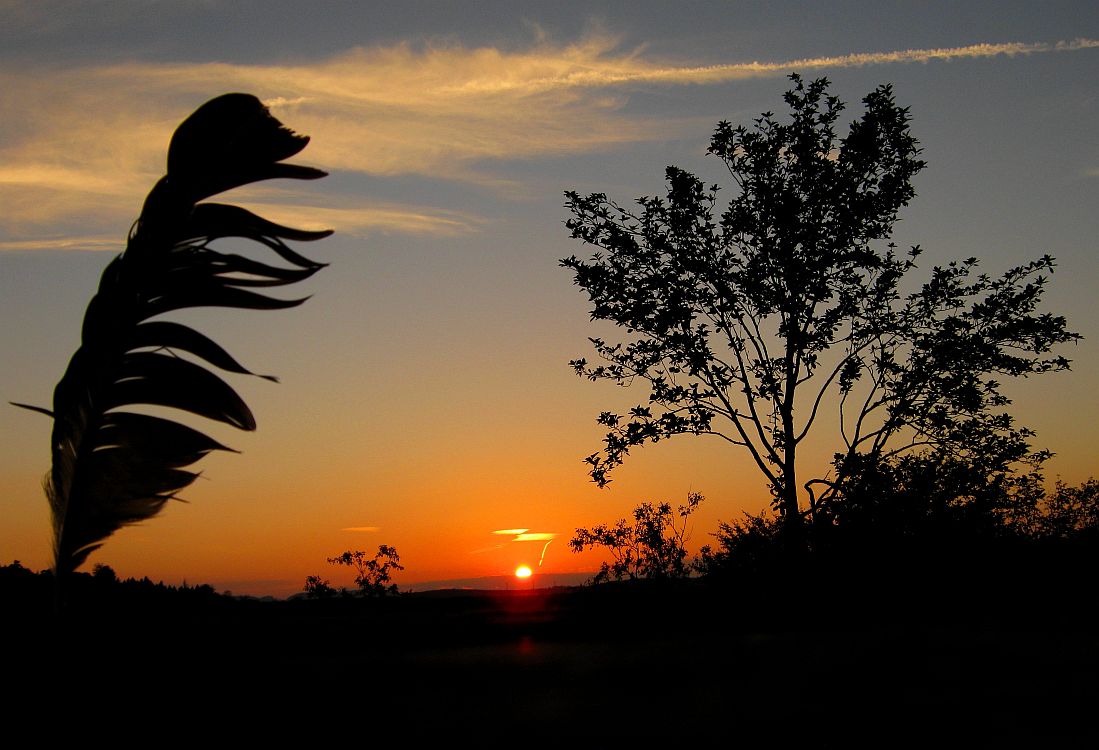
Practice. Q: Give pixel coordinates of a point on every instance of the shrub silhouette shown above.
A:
(318, 588)
(372, 574)
(652, 546)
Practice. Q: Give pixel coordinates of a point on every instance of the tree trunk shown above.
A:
(789, 498)
(793, 523)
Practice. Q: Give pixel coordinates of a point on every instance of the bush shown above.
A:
(653, 546)
(372, 575)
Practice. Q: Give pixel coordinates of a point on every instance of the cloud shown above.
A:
(535, 537)
(81, 146)
(99, 244)
(521, 535)
(358, 217)
(40, 219)
(640, 72)
(526, 535)
(367, 529)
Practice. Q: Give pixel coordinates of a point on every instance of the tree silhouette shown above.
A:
(920, 502)
(372, 574)
(1070, 512)
(114, 467)
(652, 546)
(318, 588)
(748, 324)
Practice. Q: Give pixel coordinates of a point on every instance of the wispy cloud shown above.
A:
(366, 529)
(355, 218)
(526, 535)
(359, 217)
(534, 537)
(634, 70)
(96, 244)
(81, 146)
(522, 535)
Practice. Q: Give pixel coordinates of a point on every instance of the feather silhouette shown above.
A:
(113, 467)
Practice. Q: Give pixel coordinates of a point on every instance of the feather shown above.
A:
(113, 467)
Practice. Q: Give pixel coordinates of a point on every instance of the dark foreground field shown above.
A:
(680, 661)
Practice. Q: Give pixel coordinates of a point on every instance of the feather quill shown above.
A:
(113, 467)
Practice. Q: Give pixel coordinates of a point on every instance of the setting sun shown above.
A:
(523, 571)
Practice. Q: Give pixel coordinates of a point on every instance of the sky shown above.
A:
(426, 400)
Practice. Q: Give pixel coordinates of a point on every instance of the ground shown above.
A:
(684, 661)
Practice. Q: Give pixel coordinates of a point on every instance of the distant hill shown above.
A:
(502, 583)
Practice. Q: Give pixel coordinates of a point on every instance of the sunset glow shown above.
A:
(425, 398)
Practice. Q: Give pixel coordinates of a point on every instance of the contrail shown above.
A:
(596, 70)
(717, 73)
(543, 557)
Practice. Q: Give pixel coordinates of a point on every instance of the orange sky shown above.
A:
(426, 399)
